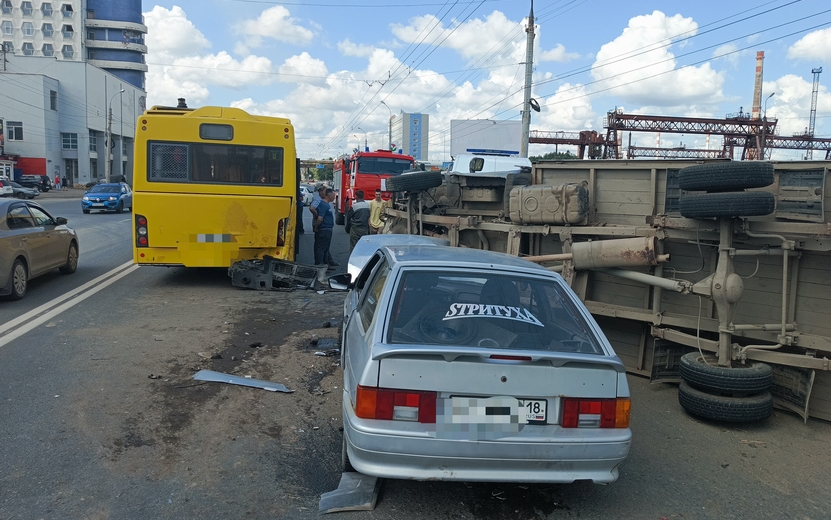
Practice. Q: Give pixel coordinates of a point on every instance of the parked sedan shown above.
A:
(308, 194)
(6, 188)
(462, 364)
(108, 197)
(32, 243)
(22, 192)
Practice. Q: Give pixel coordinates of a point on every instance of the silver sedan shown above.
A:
(470, 365)
(32, 243)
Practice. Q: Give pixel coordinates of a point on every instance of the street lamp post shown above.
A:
(389, 145)
(366, 143)
(765, 124)
(108, 144)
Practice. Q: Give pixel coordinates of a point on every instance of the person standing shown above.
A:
(357, 219)
(376, 212)
(325, 224)
(318, 196)
(58, 182)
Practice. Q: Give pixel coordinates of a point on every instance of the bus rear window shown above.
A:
(383, 165)
(214, 163)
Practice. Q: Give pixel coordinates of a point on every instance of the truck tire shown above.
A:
(728, 409)
(418, 181)
(730, 204)
(703, 373)
(729, 176)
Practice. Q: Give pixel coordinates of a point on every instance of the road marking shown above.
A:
(36, 317)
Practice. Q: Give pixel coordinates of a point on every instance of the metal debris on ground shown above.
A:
(325, 343)
(273, 274)
(328, 353)
(356, 492)
(219, 377)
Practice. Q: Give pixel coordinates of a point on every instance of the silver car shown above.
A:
(32, 243)
(462, 364)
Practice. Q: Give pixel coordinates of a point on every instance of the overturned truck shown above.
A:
(715, 275)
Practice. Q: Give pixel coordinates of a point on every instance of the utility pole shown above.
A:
(108, 145)
(529, 69)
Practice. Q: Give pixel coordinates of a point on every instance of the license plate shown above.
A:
(536, 410)
(97, 204)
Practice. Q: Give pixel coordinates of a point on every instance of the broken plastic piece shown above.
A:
(356, 492)
(219, 377)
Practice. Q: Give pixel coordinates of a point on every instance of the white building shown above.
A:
(411, 134)
(64, 65)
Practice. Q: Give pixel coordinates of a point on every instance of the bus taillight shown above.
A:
(141, 231)
(281, 232)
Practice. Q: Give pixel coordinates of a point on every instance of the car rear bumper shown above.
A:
(537, 454)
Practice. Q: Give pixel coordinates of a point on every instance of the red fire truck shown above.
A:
(365, 171)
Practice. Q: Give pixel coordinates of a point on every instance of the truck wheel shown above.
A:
(729, 176)
(418, 181)
(730, 204)
(703, 373)
(728, 409)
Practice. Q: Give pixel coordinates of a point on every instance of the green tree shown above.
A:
(554, 156)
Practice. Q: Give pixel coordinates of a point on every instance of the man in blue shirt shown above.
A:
(325, 223)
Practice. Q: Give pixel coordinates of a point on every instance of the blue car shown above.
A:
(108, 197)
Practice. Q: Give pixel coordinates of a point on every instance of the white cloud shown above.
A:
(791, 105)
(640, 68)
(347, 48)
(812, 46)
(569, 109)
(275, 23)
(727, 52)
(558, 53)
(180, 65)
(303, 69)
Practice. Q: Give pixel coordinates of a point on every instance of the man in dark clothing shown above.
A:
(325, 224)
(357, 219)
(320, 192)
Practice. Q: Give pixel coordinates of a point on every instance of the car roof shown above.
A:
(442, 256)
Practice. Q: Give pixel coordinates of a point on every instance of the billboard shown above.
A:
(484, 134)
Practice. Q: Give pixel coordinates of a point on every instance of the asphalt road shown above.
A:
(87, 433)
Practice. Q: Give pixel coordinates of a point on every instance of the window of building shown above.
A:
(7, 6)
(68, 32)
(47, 30)
(26, 7)
(68, 51)
(93, 168)
(124, 148)
(415, 121)
(93, 143)
(28, 49)
(7, 28)
(28, 29)
(14, 130)
(46, 8)
(53, 98)
(90, 54)
(91, 14)
(90, 35)
(69, 141)
(47, 49)
(67, 11)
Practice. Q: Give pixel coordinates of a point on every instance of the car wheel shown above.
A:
(703, 373)
(344, 457)
(728, 409)
(86, 211)
(20, 195)
(120, 207)
(726, 176)
(71, 260)
(730, 204)
(19, 280)
(418, 181)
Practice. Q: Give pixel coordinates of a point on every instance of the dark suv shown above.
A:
(38, 182)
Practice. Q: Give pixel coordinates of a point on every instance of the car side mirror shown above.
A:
(61, 221)
(341, 282)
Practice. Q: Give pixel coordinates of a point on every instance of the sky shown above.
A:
(329, 64)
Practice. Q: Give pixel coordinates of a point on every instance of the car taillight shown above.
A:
(281, 232)
(596, 413)
(142, 240)
(395, 405)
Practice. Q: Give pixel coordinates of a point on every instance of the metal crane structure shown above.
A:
(812, 119)
(585, 140)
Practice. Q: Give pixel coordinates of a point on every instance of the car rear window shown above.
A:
(488, 311)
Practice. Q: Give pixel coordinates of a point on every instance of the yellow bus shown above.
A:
(212, 186)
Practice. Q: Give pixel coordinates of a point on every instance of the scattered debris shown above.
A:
(216, 356)
(273, 274)
(356, 492)
(256, 344)
(328, 353)
(219, 377)
(154, 376)
(325, 343)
